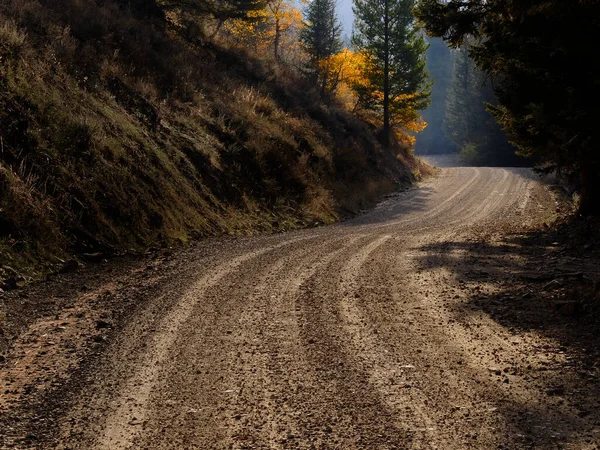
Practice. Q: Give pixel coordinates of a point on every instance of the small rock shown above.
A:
(10, 283)
(101, 324)
(94, 257)
(554, 284)
(70, 266)
(558, 390)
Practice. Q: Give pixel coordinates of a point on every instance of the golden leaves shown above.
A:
(276, 25)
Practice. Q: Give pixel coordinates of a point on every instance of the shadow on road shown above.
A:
(396, 207)
(549, 287)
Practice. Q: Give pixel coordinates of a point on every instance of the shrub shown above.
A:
(11, 39)
(469, 154)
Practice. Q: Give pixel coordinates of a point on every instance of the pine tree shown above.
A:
(463, 94)
(468, 124)
(386, 31)
(321, 36)
(322, 33)
(439, 65)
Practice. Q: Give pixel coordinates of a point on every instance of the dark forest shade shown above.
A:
(538, 54)
(468, 123)
(433, 139)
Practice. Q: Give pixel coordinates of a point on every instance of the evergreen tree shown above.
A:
(322, 33)
(386, 32)
(468, 124)
(439, 64)
(464, 102)
(538, 53)
(321, 38)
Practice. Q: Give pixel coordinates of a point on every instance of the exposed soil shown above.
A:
(444, 318)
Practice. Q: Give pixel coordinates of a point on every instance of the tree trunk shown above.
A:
(324, 85)
(217, 28)
(277, 40)
(386, 76)
(590, 190)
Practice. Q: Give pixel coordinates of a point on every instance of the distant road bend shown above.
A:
(349, 336)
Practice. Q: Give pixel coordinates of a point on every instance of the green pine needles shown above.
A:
(321, 38)
(385, 30)
(322, 34)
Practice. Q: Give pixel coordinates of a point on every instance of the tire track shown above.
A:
(229, 368)
(391, 373)
(341, 414)
(131, 407)
(439, 208)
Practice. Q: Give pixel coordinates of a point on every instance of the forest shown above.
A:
(471, 86)
(458, 118)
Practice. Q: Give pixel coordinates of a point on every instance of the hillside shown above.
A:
(121, 130)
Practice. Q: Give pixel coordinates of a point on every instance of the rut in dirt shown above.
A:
(361, 335)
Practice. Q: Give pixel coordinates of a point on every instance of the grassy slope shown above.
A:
(117, 132)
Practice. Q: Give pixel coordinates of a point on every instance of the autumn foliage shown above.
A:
(271, 30)
(347, 76)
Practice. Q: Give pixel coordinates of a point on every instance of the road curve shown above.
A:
(338, 337)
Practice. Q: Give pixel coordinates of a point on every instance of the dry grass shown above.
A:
(11, 38)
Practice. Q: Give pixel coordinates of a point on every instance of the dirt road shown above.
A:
(376, 333)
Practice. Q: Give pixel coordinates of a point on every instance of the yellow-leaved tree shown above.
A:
(273, 29)
(341, 72)
(385, 30)
(347, 74)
